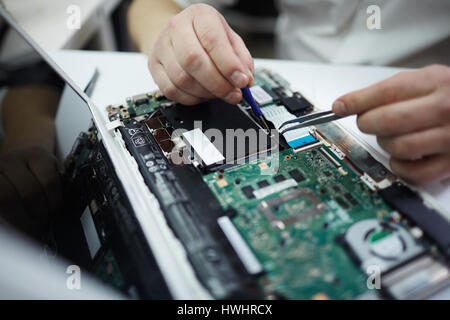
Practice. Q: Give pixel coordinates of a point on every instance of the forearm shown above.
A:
(147, 18)
(28, 115)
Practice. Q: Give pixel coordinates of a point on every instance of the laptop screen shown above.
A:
(57, 196)
(30, 158)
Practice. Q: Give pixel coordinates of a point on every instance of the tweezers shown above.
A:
(310, 120)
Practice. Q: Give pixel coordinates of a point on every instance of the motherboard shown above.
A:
(308, 214)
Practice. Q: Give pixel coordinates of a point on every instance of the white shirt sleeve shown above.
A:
(336, 31)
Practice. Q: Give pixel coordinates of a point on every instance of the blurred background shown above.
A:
(104, 24)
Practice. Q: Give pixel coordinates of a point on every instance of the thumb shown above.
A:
(241, 51)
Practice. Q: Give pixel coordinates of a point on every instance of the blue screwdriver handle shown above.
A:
(249, 98)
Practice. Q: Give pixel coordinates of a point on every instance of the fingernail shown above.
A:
(339, 108)
(251, 81)
(233, 97)
(239, 79)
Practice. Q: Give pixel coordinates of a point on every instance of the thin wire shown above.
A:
(151, 115)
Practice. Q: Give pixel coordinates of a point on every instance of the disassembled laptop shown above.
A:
(305, 215)
(200, 202)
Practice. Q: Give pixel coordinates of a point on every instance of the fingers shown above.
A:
(239, 48)
(424, 171)
(402, 86)
(406, 116)
(180, 78)
(242, 52)
(198, 56)
(193, 58)
(213, 36)
(410, 115)
(168, 88)
(418, 144)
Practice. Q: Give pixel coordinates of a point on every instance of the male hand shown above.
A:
(410, 115)
(30, 188)
(198, 57)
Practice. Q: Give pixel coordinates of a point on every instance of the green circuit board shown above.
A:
(301, 259)
(145, 104)
(294, 208)
(108, 271)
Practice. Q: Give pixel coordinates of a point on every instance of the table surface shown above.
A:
(126, 74)
(41, 18)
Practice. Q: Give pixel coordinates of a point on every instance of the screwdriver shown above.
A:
(247, 94)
